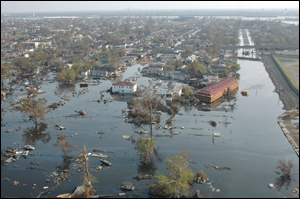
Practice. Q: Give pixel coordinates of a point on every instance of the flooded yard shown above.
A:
(250, 143)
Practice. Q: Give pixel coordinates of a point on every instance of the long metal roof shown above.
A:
(217, 87)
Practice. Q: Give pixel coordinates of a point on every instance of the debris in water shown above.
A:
(105, 162)
(28, 147)
(216, 134)
(218, 167)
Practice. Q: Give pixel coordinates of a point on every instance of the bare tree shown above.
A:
(144, 109)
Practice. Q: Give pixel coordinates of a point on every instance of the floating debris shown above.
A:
(245, 92)
(142, 132)
(10, 150)
(127, 187)
(105, 162)
(28, 147)
(127, 137)
(9, 160)
(59, 127)
(81, 112)
(218, 167)
(100, 155)
(144, 177)
(213, 123)
(216, 134)
(9, 130)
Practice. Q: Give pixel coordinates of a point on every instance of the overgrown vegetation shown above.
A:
(146, 146)
(178, 181)
(34, 108)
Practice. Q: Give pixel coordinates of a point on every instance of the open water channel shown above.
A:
(250, 143)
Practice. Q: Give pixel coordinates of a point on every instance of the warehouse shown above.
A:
(217, 90)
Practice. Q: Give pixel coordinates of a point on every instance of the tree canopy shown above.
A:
(195, 69)
(34, 108)
(178, 181)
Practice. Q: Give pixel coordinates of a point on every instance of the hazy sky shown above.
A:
(41, 6)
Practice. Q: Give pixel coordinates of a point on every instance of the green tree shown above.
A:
(25, 64)
(234, 67)
(225, 72)
(114, 57)
(34, 108)
(195, 69)
(146, 146)
(66, 76)
(178, 181)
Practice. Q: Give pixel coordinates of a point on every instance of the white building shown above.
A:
(124, 87)
(85, 72)
(68, 66)
(174, 92)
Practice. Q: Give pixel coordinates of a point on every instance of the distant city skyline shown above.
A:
(53, 6)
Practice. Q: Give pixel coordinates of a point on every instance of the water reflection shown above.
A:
(124, 97)
(63, 90)
(147, 165)
(65, 165)
(66, 149)
(149, 155)
(35, 133)
(283, 181)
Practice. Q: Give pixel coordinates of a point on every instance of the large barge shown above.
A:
(213, 92)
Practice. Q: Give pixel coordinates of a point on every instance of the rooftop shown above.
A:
(221, 85)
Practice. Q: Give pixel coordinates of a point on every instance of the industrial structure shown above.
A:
(213, 92)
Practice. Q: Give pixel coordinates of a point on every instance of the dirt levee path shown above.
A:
(289, 99)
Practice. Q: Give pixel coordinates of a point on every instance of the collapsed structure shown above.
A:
(217, 90)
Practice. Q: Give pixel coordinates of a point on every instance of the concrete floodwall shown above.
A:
(286, 77)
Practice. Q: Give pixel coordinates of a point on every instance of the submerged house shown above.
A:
(215, 91)
(174, 92)
(124, 87)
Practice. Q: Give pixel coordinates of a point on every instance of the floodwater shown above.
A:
(251, 141)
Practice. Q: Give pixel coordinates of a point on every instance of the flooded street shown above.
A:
(250, 143)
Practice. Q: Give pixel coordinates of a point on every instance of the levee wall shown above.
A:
(286, 77)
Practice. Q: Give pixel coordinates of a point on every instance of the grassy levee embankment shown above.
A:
(287, 75)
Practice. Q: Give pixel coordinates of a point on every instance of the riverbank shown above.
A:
(290, 101)
(288, 97)
(291, 133)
